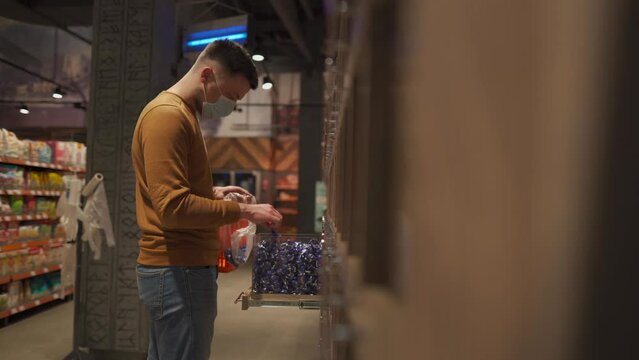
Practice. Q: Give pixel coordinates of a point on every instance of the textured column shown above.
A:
(134, 45)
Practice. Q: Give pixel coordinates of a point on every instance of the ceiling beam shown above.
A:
(287, 12)
(35, 74)
(53, 22)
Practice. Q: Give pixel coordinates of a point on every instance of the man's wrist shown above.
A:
(244, 210)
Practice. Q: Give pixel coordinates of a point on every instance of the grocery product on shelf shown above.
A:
(16, 232)
(287, 264)
(10, 145)
(15, 294)
(68, 153)
(17, 204)
(44, 180)
(40, 151)
(15, 262)
(285, 196)
(4, 300)
(9, 232)
(11, 176)
(42, 285)
(288, 182)
(27, 205)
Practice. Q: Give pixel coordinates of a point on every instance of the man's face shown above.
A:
(233, 86)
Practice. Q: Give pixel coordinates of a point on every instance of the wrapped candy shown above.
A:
(287, 264)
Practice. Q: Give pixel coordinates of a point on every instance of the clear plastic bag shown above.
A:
(236, 239)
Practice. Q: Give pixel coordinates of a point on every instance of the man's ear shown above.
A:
(205, 74)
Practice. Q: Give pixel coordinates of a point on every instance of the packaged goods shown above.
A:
(11, 177)
(17, 204)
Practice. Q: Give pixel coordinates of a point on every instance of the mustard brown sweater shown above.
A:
(175, 209)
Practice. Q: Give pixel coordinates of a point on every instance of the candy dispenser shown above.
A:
(287, 264)
(286, 272)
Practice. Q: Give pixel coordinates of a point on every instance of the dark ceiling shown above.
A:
(290, 31)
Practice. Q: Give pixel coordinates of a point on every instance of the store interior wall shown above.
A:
(497, 119)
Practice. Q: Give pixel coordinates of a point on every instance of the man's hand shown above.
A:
(220, 191)
(261, 214)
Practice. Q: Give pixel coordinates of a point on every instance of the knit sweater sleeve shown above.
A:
(165, 139)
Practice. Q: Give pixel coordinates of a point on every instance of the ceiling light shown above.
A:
(258, 57)
(267, 83)
(24, 109)
(58, 93)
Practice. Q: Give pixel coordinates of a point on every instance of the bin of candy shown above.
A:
(287, 264)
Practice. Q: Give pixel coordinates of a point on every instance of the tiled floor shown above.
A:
(255, 334)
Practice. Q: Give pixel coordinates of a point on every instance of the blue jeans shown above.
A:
(182, 305)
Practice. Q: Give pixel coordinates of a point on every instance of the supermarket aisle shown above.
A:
(261, 333)
(43, 336)
(256, 334)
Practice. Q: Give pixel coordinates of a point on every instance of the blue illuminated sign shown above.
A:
(199, 40)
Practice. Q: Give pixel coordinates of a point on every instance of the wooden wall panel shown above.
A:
(286, 157)
(240, 153)
(263, 153)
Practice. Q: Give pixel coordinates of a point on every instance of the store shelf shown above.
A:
(31, 192)
(31, 244)
(12, 161)
(287, 188)
(287, 200)
(287, 211)
(35, 303)
(7, 218)
(29, 274)
(251, 299)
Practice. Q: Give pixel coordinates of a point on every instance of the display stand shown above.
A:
(250, 299)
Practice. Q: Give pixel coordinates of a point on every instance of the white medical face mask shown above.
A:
(221, 108)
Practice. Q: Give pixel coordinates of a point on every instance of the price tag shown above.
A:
(37, 303)
(33, 273)
(14, 311)
(56, 296)
(46, 270)
(21, 308)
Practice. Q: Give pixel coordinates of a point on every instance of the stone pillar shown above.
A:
(134, 44)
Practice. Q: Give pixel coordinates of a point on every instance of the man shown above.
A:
(178, 210)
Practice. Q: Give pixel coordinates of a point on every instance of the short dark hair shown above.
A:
(234, 58)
